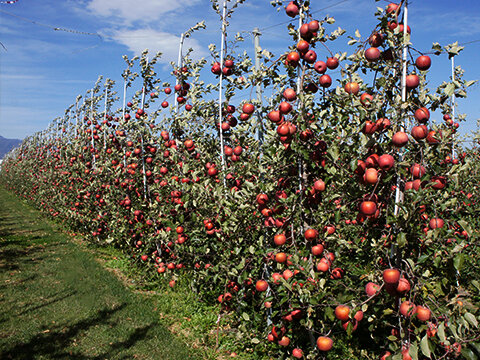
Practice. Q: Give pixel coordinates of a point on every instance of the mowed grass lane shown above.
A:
(57, 302)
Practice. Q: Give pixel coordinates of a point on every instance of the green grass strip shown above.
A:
(57, 302)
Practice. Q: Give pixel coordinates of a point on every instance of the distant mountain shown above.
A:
(7, 144)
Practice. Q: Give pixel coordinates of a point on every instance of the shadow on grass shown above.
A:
(55, 343)
(55, 298)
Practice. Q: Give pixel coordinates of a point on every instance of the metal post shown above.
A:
(453, 106)
(256, 39)
(104, 127)
(220, 117)
(91, 128)
(179, 67)
(398, 191)
(141, 141)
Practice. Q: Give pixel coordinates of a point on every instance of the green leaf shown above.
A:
(401, 239)
(441, 332)
(425, 347)
(459, 261)
(245, 316)
(255, 341)
(471, 319)
(469, 354)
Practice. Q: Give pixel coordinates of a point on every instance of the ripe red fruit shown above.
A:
(164, 104)
(423, 313)
(285, 107)
(391, 276)
(368, 207)
(342, 312)
(332, 63)
(422, 115)
(320, 67)
(319, 185)
(293, 58)
(436, 223)
(325, 81)
(248, 108)
(400, 139)
(352, 88)
(216, 68)
(407, 308)
(403, 286)
(423, 62)
(419, 132)
(262, 199)
(261, 285)
(310, 56)
(168, 91)
(284, 341)
(302, 46)
(372, 288)
(370, 176)
(292, 9)
(228, 63)
(297, 353)
(375, 40)
(289, 94)
(275, 116)
(412, 81)
(313, 26)
(311, 234)
(324, 343)
(417, 171)
(279, 239)
(317, 250)
(372, 54)
(391, 8)
(366, 99)
(385, 162)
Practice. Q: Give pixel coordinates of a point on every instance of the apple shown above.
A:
(385, 162)
(289, 94)
(375, 40)
(400, 139)
(419, 132)
(342, 312)
(423, 62)
(324, 343)
(370, 176)
(302, 46)
(293, 58)
(325, 81)
(436, 223)
(332, 63)
(391, 276)
(412, 81)
(292, 9)
(372, 289)
(261, 285)
(422, 115)
(368, 207)
(417, 171)
(311, 234)
(407, 308)
(372, 54)
(320, 67)
(352, 88)
(297, 353)
(279, 239)
(423, 313)
(310, 56)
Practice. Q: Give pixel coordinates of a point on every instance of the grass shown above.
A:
(58, 302)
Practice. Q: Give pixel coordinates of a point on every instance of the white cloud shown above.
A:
(128, 11)
(155, 41)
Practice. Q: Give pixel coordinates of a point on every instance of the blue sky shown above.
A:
(42, 70)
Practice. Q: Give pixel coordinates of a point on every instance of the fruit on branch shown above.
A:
(391, 276)
(400, 139)
(292, 9)
(325, 81)
(320, 67)
(368, 207)
(412, 81)
(342, 312)
(324, 343)
(423, 62)
(352, 88)
(422, 115)
(332, 63)
(372, 54)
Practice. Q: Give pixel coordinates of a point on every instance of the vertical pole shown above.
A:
(76, 118)
(104, 127)
(453, 106)
(398, 191)
(91, 128)
(179, 67)
(256, 39)
(141, 141)
(123, 111)
(220, 119)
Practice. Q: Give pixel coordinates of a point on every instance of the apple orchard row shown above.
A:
(345, 226)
